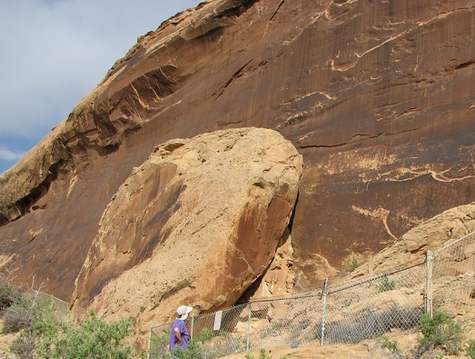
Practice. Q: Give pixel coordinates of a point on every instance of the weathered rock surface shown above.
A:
(197, 223)
(283, 278)
(378, 96)
(279, 278)
(429, 235)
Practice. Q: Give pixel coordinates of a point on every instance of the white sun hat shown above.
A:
(183, 311)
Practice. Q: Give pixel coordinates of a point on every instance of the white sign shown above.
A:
(217, 320)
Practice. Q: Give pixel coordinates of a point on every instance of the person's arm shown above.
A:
(177, 334)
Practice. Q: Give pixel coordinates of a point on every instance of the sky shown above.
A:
(53, 52)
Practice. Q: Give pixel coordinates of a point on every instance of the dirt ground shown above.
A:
(5, 342)
(368, 349)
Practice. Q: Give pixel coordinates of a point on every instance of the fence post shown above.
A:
(248, 339)
(428, 286)
(324, 310)
(149, 343)
(192, 325)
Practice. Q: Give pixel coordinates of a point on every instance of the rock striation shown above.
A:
(197, 223)
(377, 96)
(432, 234)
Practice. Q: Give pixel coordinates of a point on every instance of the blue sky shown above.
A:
(53, 52)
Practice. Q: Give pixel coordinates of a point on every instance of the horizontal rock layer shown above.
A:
(377, 96)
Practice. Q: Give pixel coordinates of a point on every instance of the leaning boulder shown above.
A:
(196, 224)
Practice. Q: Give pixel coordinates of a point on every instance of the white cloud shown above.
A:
(55, 51)
(9, 155)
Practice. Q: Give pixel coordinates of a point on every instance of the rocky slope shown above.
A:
(197, 223)
(377, 96)
(453, 293)
(368, 349)
(432, 234)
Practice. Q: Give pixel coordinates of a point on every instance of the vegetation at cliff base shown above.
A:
(386, 285)
(20, 314)
(441, 331)
(388, 344)
(471, 348)
(263, 354)
(43, 334)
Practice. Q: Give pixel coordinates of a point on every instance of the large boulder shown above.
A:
(196, 224)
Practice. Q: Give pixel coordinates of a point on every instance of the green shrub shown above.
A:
(350, 264)
(386, 285)
(273, 328)
(49, 338)
(193, 351)
(205, 335)
(441, 330)
(43, 335)
(222, 333)
(159, 346)
(354, 264)
(93, 338)
(19, 314)
(24, 346)
(159, 341)
(262, 355)
(390, 345)
(471, 348)
(6, 295)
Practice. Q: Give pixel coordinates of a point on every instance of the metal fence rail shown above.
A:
(357, 310)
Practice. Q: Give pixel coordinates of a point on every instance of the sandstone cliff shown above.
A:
(377, 96)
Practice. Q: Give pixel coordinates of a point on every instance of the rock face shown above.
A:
(279, 278)
(378, 96)
(429, 235)
(197, 223)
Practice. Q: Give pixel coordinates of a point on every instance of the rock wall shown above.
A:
(377, 96)
(432, 234)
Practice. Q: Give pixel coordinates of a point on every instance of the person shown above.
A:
(179, 335)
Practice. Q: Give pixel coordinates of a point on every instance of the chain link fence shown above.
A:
(357, 310)
(453, 279)
(371, 307)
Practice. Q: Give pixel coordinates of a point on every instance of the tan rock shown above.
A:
(431, 234)
(407, 342)
(288, 274)
(195, 224)
(279, 278)
(311, 271)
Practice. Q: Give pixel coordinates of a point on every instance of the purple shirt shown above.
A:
(180, 324)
